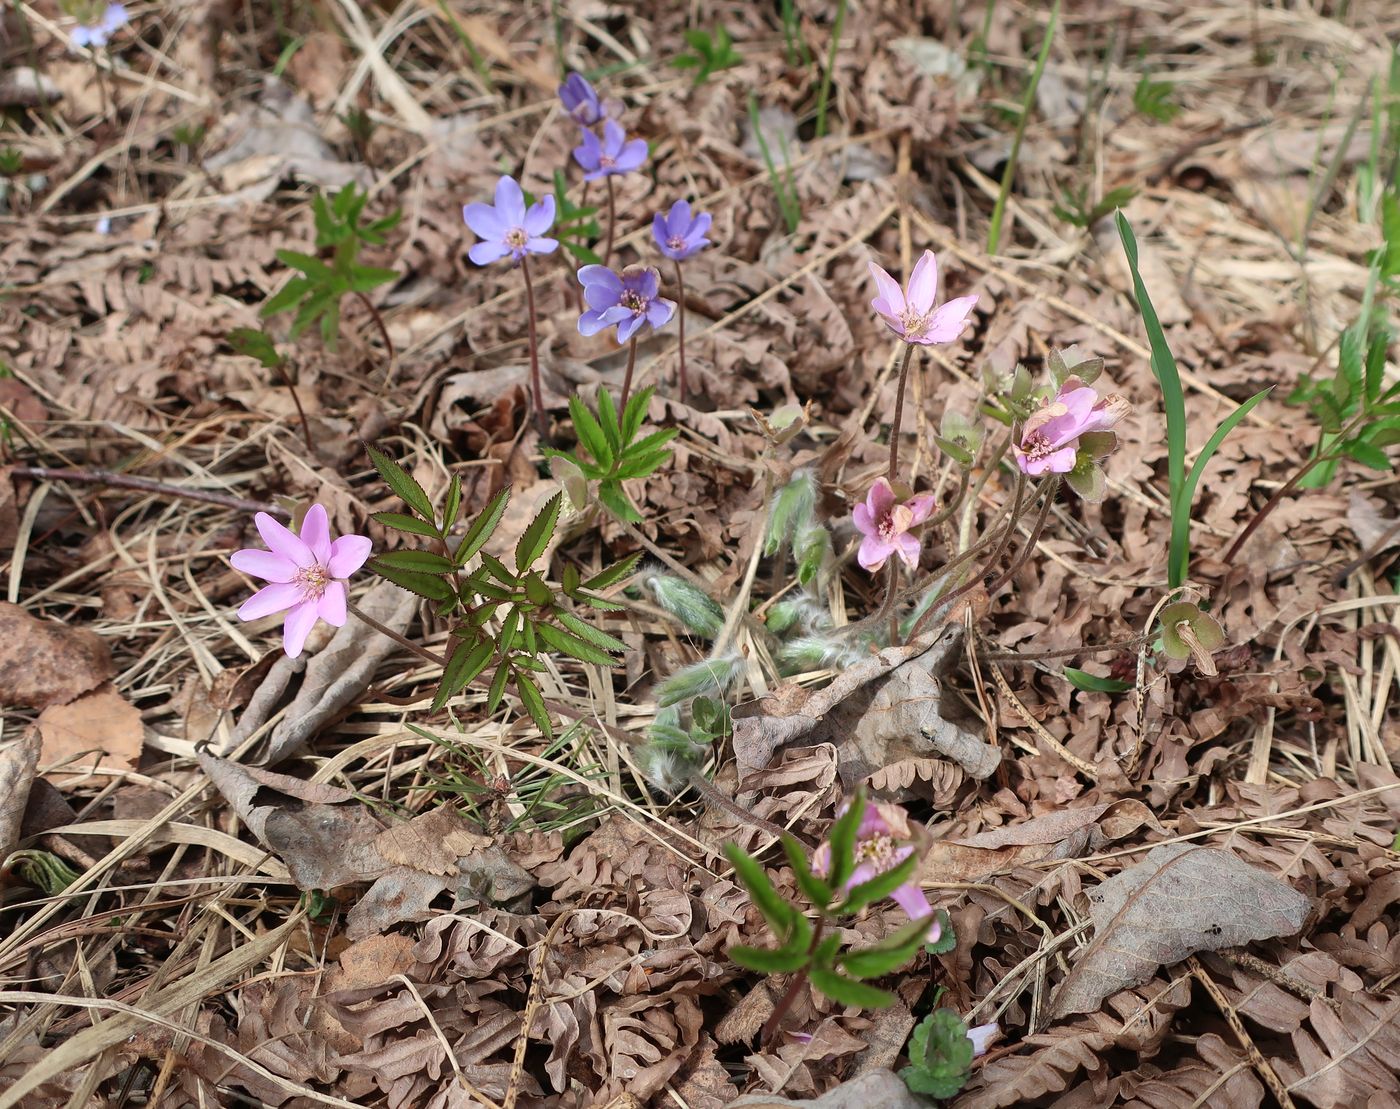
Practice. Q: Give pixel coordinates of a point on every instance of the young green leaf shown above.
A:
(818, 891)
(411, 524)
(768, 960)
(1092, 683)
(402, 483)
(483, 527)
(590, 432)
(585, 630)
(777, 912)
(468, 660)
(843, 840)
(574, 646)
(889, 954)
(537, 535)
(847, 991)
(878, 887)
(531, 698)
(614, 573)
(430, 586)
(415, 562)
(940, 1055)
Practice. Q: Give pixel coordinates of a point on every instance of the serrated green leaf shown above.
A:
(1092, 683)
(411, 524)
(285, 297)
(842, 840)
(612, 497)
(1367, 454)
(425, 585)
(499, 570)
(847, 991)
(607, 420)
(498, 688)
(466, 662)
(574, 646)
(768, 960)
(590, 432)
(635, 412)
(532, 699)
(777, 912)
(510, 628)
(639, 466)
(536, 537)
(585, 630)
(614, 573)
(404, 486)
(452, 504)
(316, 303)
(415, 562)
(483, 527)
(366, 278)
(817, 890)
(253, 342)
(309, 264)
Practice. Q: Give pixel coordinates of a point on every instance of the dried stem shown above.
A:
(680, 322)
(627, 378)
(145, 485)
(536, 388)
(899, 411)
(296, 400)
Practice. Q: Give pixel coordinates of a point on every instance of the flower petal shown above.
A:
(923, 283)
(484, 221)
(632, 156)
(331, 606)
(910, 897)
(947, 323)
(277, 597)
(264, 564)
(540, 217)
(483, 254)
(613, 138)
(316, 533)
(281, 541)
(660, 232)
(873, 552)
(348, 554)
(880, 499)
(542, 246)
(920, 507)
(864, 522)
(510, 202)
(660, 312)
(299, 623)
(890, 292)
(629, 327)
(588, 150)
(908, 549)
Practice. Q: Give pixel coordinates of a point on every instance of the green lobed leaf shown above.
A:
(285, 297)
(612, 497)
(1367, 454)
(768, 960)
(940, 1055)
(635, 412)
(607, 420)
(847, 991)
(253, 342)
(309, 264)
(947, 936)
(402, 483)
(881, 886)
(777, 912)
(1092, 683)
(843, 840)
(590, 432)
(483, 527)
(536, 537)
(818, 890)
(640, 465)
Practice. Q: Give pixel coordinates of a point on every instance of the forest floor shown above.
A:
(181, 918)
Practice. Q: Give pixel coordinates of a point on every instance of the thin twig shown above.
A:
(379, 323)
(145, 485)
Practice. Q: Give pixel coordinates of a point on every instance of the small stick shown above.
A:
(536, 388)
(422, 652)
(680, 322)
(1232, 1018)
(144, 485)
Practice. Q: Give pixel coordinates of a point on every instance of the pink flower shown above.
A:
(883, 841)
(307, 575)
(982, 1037)
(886, 525)
(913, 317)
(1050, 437)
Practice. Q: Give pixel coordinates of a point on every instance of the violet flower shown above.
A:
(580, 101)
(611, 155)
(679, 234)
(883, 841)
(307, 575)
(912, 316)
(508, 228)
(885, 525)
(982, 1036)
(100, 32)
(1050, 438)
(628, 300)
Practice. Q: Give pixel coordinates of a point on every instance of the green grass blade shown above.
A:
(1173, 400)
(825, 90)
(999, 211)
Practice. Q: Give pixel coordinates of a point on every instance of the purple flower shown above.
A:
(1050, 438)
(628, 300)
(307, 575)
(611, 154)
(97, 34)
(508, 228)
(886, 525)
(678, 234)
(883, 841)
(580, 101)
(913, 317)
(982, 1037)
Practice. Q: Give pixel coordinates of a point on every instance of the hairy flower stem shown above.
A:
(627, 378)
(536, 389)
(899, 411)
(680, 323)
(789, 998)
(612, 220)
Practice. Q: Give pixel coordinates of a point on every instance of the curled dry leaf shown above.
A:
(45, 663)
(878, 712)
(18, 760)
(1179, 900)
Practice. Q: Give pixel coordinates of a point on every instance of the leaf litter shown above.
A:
(1211, 917)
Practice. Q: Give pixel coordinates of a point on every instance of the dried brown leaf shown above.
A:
(45, 663)
(1179, 900)
(18, 760)
(102, 722)
(1349, 1056)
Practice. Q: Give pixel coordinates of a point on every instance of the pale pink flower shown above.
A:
(1050, 438)
(885, 525)
(307, 575)
(911, 315)
(883, 841)
(982, 1037)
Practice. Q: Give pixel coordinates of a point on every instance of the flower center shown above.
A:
(879, 851)
(606, 161)
(634, 301)
(516, 237)
(886, 527)
(676, 242)
(913, 323)
(312, 581)
(1037, 446)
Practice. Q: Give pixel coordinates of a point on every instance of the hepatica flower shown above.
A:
(912, 315)
(97, 30)
(1050, 440)
(613, 154)
(508, 227)
(306, 575)
(628, 300)
(883, 841)
(580, 101)
(886, 525)
(678, 233)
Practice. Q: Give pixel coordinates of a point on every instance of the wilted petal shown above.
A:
(982, 1037)
(908, 549)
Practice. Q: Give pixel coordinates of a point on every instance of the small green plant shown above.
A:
(709, 53)
(1153, 99)
(784, 188)
(188, 135)
(609, 451)
(1077, 210)
(501, 616)
(940, 1055)
(324, 282)
(574, 225)
(11, 162)
(794, 46)
(824, 90)
(875, 838)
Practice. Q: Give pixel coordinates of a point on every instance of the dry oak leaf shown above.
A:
(1179, 900)
(43, 662)
(102, 722)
